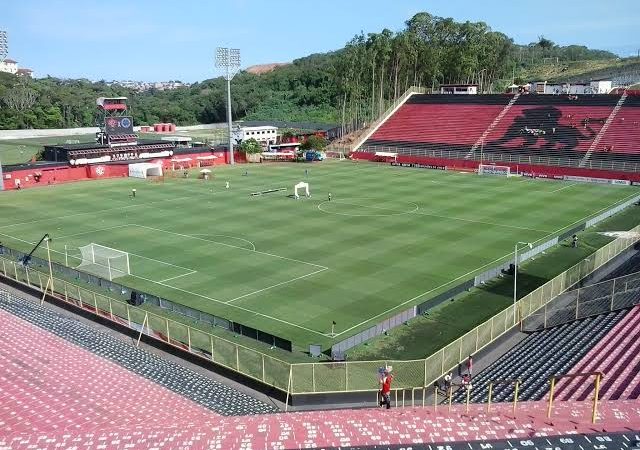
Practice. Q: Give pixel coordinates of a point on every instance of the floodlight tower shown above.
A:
(228, 60)
(4, 45)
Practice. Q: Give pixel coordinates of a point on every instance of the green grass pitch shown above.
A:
(389, 238)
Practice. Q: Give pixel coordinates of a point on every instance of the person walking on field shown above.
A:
(385, 387)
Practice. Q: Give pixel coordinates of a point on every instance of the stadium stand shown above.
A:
(617, 355)
(585, 131)
(54, 393)
(623, 134)
(542, 354)
(202, 390)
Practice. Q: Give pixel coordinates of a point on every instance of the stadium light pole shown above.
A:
(228, 60)
(515, 277)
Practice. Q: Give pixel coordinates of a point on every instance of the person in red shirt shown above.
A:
(385, 387)
(470, 365)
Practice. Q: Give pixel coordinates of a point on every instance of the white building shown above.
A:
(9, 65)
(265, 134)
(593, 87)
(459, 89)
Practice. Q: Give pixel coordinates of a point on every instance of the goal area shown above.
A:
(490, 169)
(104, 262)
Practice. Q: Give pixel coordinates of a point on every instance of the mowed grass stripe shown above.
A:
(374, 265)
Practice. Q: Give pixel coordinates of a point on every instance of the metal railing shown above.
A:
(597, 379)
(377, 122)
(490, 156)
(325, 377)
(601, 298)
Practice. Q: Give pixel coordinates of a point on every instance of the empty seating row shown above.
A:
(416, 428)
(542, 354)
(623, 133)
(536, 129)
(202, 390)
(617, 356)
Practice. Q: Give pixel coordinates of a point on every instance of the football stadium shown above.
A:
(451, 264)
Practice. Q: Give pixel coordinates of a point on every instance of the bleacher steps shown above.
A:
(494, 124)
(603, 130)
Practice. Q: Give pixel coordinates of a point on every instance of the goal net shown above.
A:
(490, 169)
(104, 262)
(336, 154)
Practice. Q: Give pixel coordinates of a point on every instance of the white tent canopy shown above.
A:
(144, 170)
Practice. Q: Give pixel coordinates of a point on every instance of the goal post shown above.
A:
(490, 169)
(104, 262)
(301, 186)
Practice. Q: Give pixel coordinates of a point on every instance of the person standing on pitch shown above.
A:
(226, 185)
(133, 193)
(385, 387)
(329, 196)
(306, 173)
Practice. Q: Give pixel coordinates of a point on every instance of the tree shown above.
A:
(314, 142)
(250, 146)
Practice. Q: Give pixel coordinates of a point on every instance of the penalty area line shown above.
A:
(160, 283)
(274, 286)
(179, 276)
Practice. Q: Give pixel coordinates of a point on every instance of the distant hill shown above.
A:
(259, 69)
(351, 85)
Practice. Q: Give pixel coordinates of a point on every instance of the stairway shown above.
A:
(495, 122)
(603, 130)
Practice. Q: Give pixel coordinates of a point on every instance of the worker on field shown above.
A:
(226, 185)
(329, 196)
(133, 193)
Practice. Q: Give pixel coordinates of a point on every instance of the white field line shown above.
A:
(232, 246)
(274, 286)
(483, 222)
(136, 205)
(429, 214)
(483, 266)
(253, 246)
(564, 187)
(160, 283)
(95, 212)
(232, 306)
(178, 276)
(89, 232)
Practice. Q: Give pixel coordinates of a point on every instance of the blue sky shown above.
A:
(156, 40)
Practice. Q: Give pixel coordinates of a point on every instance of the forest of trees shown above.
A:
(351, 85)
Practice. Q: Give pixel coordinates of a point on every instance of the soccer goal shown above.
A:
(301, 186)
(490, 169)
(336, 154)
(104, 262)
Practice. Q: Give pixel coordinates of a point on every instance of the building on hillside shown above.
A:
(265, 134)
(459, 89)
(592, 87)
(9, 66)
(25, 73)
